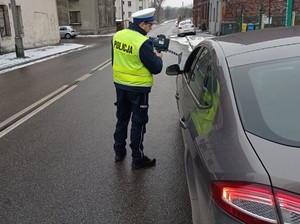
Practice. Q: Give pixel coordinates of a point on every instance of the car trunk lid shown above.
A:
(281, 162)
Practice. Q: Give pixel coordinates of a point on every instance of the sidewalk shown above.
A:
(10, 62)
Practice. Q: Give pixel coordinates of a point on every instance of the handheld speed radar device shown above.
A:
(161, 43)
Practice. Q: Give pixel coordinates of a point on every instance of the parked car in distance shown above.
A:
(239, 105)
(186, 27)
(67, 32)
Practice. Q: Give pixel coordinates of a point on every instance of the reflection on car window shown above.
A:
(268, 99)
(190, 61)
(199, 76)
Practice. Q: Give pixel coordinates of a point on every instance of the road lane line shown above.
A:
(27, 109)
(82, 78)
(99, 66)
(104, 66)
(31, 114)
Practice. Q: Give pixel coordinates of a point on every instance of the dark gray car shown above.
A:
(239, 103)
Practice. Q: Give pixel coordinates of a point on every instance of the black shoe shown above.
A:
(120, 156)
(144, 163)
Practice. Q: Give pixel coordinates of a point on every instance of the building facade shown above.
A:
(227, 16)
(201, 14)
(129, 7)
(38, 24)
(88, 16)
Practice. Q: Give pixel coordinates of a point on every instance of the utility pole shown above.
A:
(122, 12)
(18, 39)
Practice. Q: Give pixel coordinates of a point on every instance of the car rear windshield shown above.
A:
(185, 22)
(268, 98)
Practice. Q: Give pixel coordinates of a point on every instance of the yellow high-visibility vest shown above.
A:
(127, 66)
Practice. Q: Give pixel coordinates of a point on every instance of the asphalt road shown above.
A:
(57, 166)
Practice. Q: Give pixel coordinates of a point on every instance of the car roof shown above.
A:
(251, 44)
(254, 40)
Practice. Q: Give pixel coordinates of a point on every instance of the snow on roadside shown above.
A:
(10, 62)
(191, 41)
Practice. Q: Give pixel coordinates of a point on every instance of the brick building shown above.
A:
(201, 13)
(217, 15)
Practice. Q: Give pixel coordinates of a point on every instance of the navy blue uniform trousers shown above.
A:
(132, 105)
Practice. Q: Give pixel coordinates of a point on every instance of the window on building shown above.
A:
(140, 7)
(5, 29)
(75, 17)
(129, 3)
(129, 14)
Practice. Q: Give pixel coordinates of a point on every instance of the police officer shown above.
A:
(134, 62)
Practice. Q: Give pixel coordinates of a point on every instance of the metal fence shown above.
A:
(275, 21)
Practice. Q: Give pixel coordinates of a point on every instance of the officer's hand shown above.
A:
(158, 54)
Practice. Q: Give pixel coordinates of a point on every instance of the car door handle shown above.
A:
(177, 96)
(183, 123)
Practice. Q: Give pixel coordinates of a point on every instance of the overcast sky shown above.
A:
(177, 3)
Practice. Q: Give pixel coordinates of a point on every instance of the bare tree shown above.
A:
(159, 10)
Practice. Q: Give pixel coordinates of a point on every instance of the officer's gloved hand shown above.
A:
(159, 54)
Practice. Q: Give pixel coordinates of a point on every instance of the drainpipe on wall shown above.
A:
(241, 19)
(17, 26)
(289, 8)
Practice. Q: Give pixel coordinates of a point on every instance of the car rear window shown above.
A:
(185, 22)
(268, 98)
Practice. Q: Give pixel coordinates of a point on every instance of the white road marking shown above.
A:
(14, 117)
(28, 116)
(104, 66)
(101, 65)
(82, 78)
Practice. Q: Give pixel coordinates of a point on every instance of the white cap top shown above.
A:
(143, 15)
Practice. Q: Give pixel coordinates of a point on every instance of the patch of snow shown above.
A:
(10, 62)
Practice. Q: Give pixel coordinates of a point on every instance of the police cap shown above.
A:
(144, 15)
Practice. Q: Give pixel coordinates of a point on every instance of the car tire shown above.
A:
(67, 36)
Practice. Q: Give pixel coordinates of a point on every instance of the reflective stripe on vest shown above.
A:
(127, 66)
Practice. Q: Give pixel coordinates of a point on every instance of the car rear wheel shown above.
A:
(68, 36)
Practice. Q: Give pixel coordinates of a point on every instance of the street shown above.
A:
(57, 161)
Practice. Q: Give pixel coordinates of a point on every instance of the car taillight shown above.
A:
(250, 203)
(255, 203)
(289, 205)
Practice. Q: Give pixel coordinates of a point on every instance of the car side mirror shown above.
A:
(173, 70)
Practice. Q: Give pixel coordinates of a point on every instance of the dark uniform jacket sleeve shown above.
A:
(153, 63)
